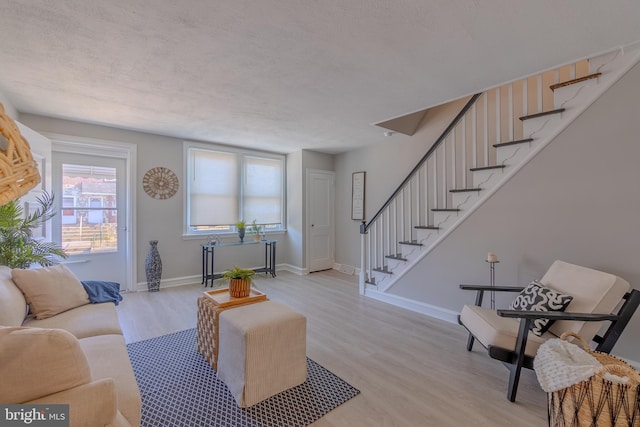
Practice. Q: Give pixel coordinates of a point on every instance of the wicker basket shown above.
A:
(598, 401)
(18, 171)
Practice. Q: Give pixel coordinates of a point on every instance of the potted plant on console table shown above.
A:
(240, 226)
(240, 281)
(255, 230)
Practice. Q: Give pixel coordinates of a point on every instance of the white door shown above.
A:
(321, 220)
(90, 192)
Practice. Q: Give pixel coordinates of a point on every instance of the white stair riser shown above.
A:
(423, 235)
(565, 95)
(443, 219)
(410, 252)
(513, 154)
(486, 179)
(466, 199)
(539, 127)
(600, 62)
(394, 264)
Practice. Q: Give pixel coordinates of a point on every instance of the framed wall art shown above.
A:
(357, 195)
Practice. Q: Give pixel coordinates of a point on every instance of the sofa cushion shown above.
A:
(85, 321)
(13, 306)
(36, 362)
(50, 290)
(108, 358)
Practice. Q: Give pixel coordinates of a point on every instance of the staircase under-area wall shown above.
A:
(494, 136)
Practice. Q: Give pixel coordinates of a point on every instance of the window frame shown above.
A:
(241, 152)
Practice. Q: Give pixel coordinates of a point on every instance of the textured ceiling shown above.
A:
(284, 75)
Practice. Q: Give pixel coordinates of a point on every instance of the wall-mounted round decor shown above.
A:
(160, 183)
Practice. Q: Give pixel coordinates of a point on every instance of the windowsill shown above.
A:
(228, 236)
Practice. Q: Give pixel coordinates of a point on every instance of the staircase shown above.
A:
(495, 134)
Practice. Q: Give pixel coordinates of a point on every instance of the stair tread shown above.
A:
(544, 113)
(574, 81)
(427, 227)
(445, 210)
(412, 243)
(396, 257)
(517, 141)
(464, 190)
(382, 270)
(485, 168)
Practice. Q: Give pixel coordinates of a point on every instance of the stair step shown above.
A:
(427, 227)
(544, 113)
(464, 190)
(397, 257)
(518, 141)
(410, 243)
(445, 210)
(382, 270)
(486, 168)
(574, 81)
(371, 281)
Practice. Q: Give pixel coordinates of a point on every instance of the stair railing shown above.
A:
(488, 118)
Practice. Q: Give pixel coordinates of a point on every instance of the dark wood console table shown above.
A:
(208, 272)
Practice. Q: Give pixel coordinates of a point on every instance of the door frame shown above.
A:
(121, 150)
(307, 219)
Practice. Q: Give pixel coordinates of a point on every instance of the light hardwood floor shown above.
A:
(412, 370)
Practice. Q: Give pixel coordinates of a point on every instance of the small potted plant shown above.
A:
(241, 226)
(240, 281)
(255, 230)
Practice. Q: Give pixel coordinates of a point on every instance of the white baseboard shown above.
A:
(345, 268)
(292, 269)
(420, 307)
(169, 283)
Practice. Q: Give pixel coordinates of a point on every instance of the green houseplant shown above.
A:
(240, 280)
(18, 248)
(241, 226)
(255, 230)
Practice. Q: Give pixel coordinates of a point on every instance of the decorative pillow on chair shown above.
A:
(50, 290)
(537, 297)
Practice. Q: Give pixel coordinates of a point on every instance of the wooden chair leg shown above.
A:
(470, 341)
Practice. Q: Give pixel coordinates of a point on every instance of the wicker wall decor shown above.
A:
(18, 171)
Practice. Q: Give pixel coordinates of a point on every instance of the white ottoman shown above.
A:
(262, 351)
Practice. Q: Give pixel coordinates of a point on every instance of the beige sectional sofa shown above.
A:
(64, 350)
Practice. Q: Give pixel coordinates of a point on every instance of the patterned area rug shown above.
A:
(179, 388)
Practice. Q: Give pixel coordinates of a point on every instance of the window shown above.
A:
(225, 186)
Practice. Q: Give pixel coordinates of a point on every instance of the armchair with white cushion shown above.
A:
(570, 297)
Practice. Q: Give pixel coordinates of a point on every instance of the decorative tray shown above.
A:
(221, 297)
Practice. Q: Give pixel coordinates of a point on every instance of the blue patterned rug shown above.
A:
(179, 388)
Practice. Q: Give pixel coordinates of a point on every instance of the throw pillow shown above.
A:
(36, 362)
(50, 290)
(537, 297)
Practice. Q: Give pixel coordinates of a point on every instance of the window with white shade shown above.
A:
(225, 186)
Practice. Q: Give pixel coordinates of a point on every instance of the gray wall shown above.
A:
(160, 219)
(386, 166)
(578, 200)
(297, 165)
(8, 107)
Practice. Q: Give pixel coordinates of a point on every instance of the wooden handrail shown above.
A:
(366, 225)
